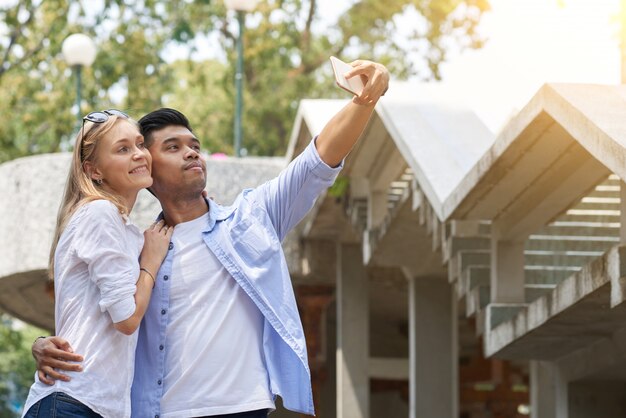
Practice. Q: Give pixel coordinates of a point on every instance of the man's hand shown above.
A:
(375, 79)
(344, 129)
(52, 353)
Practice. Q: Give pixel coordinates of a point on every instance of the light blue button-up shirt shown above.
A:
(245, 237)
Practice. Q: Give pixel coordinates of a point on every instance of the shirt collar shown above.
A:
(217, 213)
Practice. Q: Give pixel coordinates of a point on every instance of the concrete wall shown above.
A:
(32, 189)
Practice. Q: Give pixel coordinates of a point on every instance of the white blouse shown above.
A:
(96, 269)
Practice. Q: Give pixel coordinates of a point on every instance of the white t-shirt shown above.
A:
(96, 269)
(214, 360)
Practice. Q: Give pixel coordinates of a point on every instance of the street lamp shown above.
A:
(79, 51)
(241, 7)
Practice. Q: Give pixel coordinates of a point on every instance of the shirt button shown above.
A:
(163, 311)
(161, 347)
(159, 381)
(166, 278)
(171, 246)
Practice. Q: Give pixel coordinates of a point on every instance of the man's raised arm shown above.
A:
(342, 131)
(288, 197)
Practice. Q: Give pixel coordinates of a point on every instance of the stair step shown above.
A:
(605, 191)
(612, 180)
(534, 292)
(612, 217)
(564, 243)
(476, 276)
(546, 277)
(607, 229)
(560, 258)
(480, 296)
(592, 204)
(456, 244)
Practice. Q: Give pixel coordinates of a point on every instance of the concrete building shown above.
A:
(550, 189)
(450, 272)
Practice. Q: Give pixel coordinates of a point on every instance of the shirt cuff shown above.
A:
(122, 310)
(318, 166)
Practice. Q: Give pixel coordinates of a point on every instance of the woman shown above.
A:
(103, 278)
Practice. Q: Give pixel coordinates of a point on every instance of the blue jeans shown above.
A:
(261, 413)
(60, 405)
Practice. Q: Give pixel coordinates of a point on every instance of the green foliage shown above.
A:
(340, 187)
(17, 367)
(32, 83)
(285, 56)
(208, 105)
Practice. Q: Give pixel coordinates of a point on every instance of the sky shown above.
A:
(531, 42)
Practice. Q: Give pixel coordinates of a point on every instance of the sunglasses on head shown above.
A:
(103, 116)
(100, 117)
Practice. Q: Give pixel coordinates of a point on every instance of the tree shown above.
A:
(203, 92)
(30, 83)
(286, 55)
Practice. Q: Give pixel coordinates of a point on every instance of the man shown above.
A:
(222, 336)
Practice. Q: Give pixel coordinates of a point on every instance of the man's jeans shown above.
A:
(60, 405)
(261, 413)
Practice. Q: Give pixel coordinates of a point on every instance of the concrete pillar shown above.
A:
(548, 391)
(507, 270)
(376, 208)
(433, 357)
(352, 333)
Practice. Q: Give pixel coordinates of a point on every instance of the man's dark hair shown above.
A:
(159, 119)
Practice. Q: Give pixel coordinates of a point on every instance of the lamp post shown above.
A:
(79, 51)
(241, 7)
(622, 46)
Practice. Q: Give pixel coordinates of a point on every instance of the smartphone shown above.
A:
(353, 85)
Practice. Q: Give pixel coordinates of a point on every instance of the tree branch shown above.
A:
(224, 30)
(16, 33)
(305, 43)
(312, 65)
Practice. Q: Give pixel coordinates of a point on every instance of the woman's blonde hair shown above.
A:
(80, 188)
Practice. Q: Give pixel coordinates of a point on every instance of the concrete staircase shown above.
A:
(558, 250)
(580, 235)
